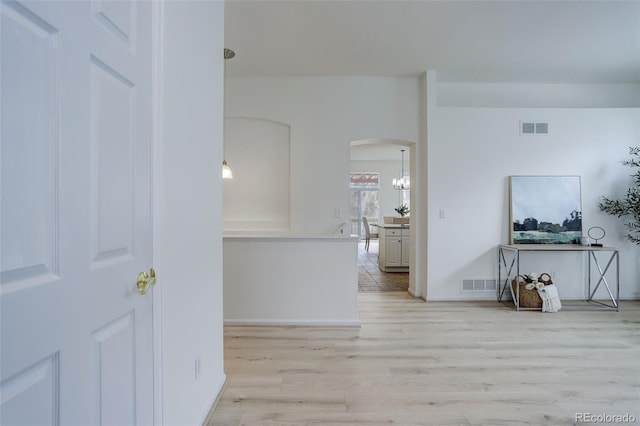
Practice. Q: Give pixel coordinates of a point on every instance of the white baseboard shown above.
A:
(214, 401)
(289, 323)
(468, 299)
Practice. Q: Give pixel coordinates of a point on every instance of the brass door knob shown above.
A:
(145, 281)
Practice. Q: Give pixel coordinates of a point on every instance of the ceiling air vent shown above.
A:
(530, 128)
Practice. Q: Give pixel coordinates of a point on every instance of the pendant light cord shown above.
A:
(226, 170)
(228, 54)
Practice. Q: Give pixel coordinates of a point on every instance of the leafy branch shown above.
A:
(630, 204)
(403, 210)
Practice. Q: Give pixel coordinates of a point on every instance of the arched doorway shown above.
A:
(385, 156)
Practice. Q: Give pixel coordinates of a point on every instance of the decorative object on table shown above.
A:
(529, 285)
(403, 181)
(630, 204)
(403, 210)
(545, 210)
(596, 233)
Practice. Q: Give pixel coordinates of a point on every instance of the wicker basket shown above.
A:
(528, 298)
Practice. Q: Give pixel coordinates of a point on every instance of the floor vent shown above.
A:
(479, 285)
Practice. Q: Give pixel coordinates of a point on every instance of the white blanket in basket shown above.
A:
(550, 298)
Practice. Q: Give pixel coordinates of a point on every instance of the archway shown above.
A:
(387, 149)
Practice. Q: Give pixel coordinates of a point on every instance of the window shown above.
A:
(406, 198)
(364, 200)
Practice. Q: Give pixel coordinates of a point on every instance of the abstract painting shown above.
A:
(545, 210)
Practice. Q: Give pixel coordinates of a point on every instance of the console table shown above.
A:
(509, 268)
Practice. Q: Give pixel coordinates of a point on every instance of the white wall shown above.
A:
(257, 198)
(518, 95)
(472, 151)
(325, 115)
(188, 240)
(292, 281)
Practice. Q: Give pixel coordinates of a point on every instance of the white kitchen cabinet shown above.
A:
(394, 248)
(406, 240)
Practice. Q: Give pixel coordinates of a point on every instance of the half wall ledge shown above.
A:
(305, 280)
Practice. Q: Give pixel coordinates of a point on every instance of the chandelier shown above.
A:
(401, 183)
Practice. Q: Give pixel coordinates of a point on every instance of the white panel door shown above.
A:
(76, 213)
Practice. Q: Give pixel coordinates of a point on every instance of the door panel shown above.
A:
(116, 17)
(406, 250)
(393, 251)
(112, 146)
(76, 213)
(36, 385)
(113, 368)
(29, 221)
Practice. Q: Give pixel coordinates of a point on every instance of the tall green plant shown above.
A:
(630, 204)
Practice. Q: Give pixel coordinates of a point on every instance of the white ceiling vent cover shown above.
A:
(531, 128)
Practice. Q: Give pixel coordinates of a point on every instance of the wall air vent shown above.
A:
(479, 285)
(527, 128)
(530, 128)
(542, 128)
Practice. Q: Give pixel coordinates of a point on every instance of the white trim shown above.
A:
(157, 10)
(482, 297)
(289, 323)
(208, 416)
(290, 238)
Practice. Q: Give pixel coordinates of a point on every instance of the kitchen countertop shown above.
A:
(392, 225)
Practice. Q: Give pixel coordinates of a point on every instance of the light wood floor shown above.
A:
(436, 363)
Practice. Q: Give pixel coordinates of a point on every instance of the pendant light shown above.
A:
(401, 183)
(226, 170)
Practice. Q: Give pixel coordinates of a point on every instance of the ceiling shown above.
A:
(514, 41)
(557, 41)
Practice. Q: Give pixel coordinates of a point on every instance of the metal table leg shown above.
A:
(508, 268)
(603, 280)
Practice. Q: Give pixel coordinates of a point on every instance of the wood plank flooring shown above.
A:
(371, 278)
(436, 363)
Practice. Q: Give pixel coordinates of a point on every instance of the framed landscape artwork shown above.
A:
(545, 210)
